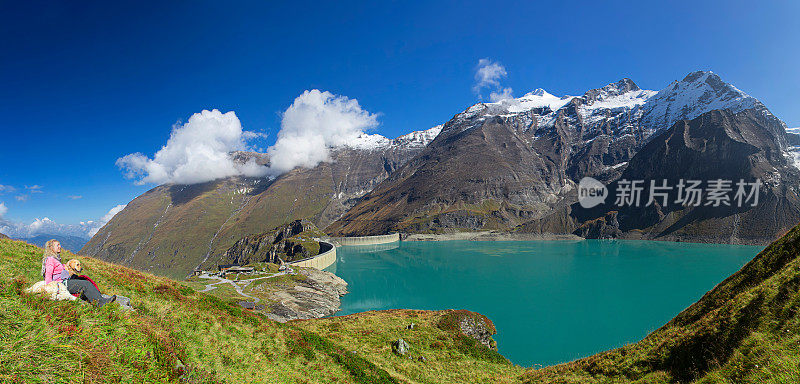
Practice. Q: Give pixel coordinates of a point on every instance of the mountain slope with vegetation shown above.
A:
(745, 330)
(172, 229)
(179, 335)
(294, 241)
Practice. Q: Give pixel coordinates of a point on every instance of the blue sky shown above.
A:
(83, 84)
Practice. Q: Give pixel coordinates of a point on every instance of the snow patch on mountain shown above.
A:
(416, 139)
(699, 92)
(369, 141)
(538, 98)
(792, 154)
(625, 100)
(793, 151)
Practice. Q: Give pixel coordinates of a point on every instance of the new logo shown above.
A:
(591, 192)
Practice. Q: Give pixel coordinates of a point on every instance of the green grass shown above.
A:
(746, 330)
(179, 335)
(446, 356)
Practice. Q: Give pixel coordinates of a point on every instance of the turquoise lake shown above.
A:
(551, 301)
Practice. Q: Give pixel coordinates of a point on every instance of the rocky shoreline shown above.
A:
(515, 236)
(486, 236)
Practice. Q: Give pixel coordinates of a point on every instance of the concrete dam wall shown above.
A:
(326, 257)
(369, 240)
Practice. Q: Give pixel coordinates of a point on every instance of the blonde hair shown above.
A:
(48, 248)
(49, 252)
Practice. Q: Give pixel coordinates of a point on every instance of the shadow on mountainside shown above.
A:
(182, 194)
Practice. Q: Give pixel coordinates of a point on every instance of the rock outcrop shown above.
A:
(293, 241)
(318, 295)
(400, 347)
(470, 324)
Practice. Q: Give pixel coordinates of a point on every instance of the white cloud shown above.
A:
(40, 226)
(196, 152)
(504, 94)
(315, 122)
(84, 229)
(34, 188)
(7, 188)
(3, 210)
(488, 76)
(75, 197)
(22, 197)
(200, 150)
(95, 226)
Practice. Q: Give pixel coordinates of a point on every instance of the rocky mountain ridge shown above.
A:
(512, 165)
(718, 145)
(557, 141)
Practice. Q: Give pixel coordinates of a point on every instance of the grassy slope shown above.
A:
(66, 342)
(201, 212)
(443, 354)
(746, 330)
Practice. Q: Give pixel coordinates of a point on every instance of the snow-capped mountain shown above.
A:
(605, 126)
(495, 166)
(418, 139)
(499, 164)
(538, 98)
(415, 139)
(699, 92)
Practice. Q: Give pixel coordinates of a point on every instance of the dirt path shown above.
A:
(235, 284)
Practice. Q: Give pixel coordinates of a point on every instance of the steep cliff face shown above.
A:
(718, 145)
(293, 241)
(172, 229)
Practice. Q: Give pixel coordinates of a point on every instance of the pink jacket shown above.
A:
(54, 271)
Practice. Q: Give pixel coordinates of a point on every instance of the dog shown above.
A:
(54, 290)
(73, 267)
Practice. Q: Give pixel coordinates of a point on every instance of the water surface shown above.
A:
(552, 301)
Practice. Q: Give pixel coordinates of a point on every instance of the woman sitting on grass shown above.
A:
(53, 270)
